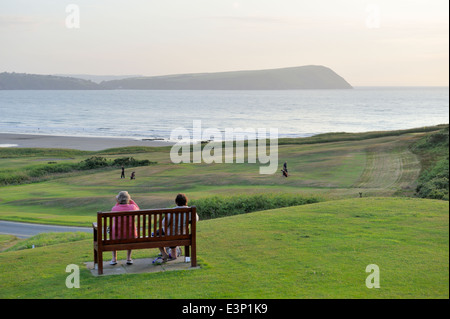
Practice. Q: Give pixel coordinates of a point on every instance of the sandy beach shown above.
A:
(73, 142)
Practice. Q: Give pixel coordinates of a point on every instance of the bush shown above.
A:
(51, 169)
(13, 178)
(433, 179)
(436, 188)
(440, 137)
(34, 173)
(221, 206)
(93, 162)
(131, 162)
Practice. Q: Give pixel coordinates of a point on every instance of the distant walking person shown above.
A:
(123, 173)
(285, 170)
(133, 175)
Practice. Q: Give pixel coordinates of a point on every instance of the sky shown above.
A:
(368, 42)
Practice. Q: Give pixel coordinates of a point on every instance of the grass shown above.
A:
(223, 206)
(44, 171)
(312, 251)
(330, 170)
(343, 136)
(48, 239)
(316, 250)
(7, 241)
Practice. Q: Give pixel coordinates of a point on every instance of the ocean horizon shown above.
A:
(154, 114)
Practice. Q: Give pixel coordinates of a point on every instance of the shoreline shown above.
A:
(99, 143)
(82, 143)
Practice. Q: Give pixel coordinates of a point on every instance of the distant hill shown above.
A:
(23, 81)
(294, 78)
(98, 78)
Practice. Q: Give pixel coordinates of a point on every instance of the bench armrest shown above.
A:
(94, 225)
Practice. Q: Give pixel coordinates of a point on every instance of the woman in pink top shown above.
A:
(119, 231)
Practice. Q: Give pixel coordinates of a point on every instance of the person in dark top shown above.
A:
(285, 170)
(181, 200)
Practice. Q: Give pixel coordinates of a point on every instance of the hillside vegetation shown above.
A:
(36, 173)
(292, 78)
(434, 152)
(23, 81)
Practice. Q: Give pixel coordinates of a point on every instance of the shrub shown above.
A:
(8, 178)
(433, 179)
(51, 169)
(33, 173)
(436, 188)
(130, 162)
(440, 137)
(221, 206)
(94, 162)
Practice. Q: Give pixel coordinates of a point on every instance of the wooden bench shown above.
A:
(148, 223)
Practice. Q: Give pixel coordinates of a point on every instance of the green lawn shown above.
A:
(317, 250)
(376, 167)
(312, 251)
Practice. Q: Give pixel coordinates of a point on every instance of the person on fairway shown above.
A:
(285, 170)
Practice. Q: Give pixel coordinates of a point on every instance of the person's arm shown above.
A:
(133, 203)
(196, 218)
(169, 220)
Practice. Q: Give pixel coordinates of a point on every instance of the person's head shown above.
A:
(123, 197)
(181, 200)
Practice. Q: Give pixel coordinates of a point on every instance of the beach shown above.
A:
(74, 142)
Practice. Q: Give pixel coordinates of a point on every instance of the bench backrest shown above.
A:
(146, 225)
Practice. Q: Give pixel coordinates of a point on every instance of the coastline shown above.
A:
(81, 143)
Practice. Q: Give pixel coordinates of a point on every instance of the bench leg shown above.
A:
(100, 262)
(95, 257)
(194, 256)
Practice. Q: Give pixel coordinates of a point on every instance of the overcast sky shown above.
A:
(374, 42)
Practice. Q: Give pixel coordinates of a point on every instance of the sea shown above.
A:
(154, 114)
